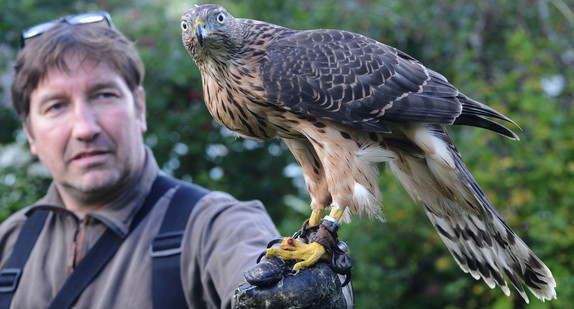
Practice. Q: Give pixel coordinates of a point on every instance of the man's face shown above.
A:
(85, 128)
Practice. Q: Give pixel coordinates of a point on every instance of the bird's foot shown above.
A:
(322, 244)
(292, 249)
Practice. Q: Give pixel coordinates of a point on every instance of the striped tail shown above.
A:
(475, 233)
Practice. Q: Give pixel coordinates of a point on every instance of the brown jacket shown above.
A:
(223, 237)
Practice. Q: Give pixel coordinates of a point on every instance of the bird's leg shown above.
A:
(316, 216)
(336, 213)
(310, 226)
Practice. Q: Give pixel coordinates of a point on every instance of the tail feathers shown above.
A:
(474, 113)
(481, 122)
(490, 250)
(474, 232)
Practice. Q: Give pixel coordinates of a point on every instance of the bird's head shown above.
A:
(209, 30)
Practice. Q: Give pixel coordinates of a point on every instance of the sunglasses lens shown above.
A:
(87, 18)
(38, 29)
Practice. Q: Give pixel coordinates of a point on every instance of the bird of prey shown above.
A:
(342, 103)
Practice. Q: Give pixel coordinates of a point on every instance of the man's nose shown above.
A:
(85, 121)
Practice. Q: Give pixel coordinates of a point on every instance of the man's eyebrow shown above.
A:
(104, 85)
(51, 96)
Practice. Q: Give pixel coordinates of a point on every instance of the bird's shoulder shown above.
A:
(257, 32)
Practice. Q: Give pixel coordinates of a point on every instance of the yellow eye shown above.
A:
(184, 26)
(220, 18)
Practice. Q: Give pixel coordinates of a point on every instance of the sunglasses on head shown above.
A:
(87, 18)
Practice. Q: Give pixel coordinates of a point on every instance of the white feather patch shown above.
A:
(433, 146)
(373, 154)
(365, 199)
(362, 196)
(422, 137)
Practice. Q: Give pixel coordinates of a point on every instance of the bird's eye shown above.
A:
(220, 18)
(184, 25)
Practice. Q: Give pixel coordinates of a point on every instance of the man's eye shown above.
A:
(54, 107)
(105, 95)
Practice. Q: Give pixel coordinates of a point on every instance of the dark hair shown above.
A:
(50, 50)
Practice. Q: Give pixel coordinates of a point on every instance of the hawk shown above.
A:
(342, 103)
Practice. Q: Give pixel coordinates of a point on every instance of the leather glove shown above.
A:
(273, 284)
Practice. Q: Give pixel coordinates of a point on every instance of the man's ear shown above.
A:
(139, 96)
(29, 136)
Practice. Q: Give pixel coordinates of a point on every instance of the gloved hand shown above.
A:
(272, 284)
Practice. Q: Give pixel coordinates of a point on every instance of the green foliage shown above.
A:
(506, 54)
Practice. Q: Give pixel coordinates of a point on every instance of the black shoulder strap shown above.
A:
(166, 248)
(10, 276)
(104, 249)
(90, 265)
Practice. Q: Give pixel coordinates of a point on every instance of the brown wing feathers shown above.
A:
(357, 81)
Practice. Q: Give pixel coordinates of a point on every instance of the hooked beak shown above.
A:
(200, 33)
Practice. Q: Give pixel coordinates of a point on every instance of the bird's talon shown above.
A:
(274, 241)
(297, 267)
(296, 234)
(260, 257)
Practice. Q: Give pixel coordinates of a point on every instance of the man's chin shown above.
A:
(95, 183)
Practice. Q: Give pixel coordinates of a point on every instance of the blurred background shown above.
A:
(516, 56)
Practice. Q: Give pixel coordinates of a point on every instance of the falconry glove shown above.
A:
(273, 284)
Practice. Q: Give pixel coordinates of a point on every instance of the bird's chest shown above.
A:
(229, 96)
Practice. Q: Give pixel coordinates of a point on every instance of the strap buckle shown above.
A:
(9, 279)
(166, 244)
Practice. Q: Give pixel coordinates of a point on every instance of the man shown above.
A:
(78, 91)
